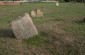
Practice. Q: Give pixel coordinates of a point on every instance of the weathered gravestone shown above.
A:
(39, 13)
(24, 28)
(33, 13)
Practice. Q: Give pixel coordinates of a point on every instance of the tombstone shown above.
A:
(57, 3)
(24, 28)
(39, 13)
(33, 13)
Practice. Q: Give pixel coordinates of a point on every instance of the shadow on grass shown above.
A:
(6, 33)
(80, 22)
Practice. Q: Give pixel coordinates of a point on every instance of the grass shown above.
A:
(36, 40)
(61, 30)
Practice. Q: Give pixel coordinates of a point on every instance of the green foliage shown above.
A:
(35, 40)
(67, 0)
(62, 1)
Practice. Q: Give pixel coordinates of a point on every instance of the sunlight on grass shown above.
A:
(61, 17)
(37, 40)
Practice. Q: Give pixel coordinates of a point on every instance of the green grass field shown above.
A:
(61, 30)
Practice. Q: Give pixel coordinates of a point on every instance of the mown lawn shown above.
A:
(61, 30)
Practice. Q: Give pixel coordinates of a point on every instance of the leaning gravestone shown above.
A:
(24, 28)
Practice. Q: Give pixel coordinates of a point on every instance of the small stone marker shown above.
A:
(39, 13)
(24, 28)
(33, 13)
(57, 3)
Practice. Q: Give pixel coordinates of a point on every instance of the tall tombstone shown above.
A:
(24, 28)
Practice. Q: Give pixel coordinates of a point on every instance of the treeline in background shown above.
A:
(81, 1)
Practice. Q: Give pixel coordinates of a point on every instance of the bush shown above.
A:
(67, 0)
(61, 1)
